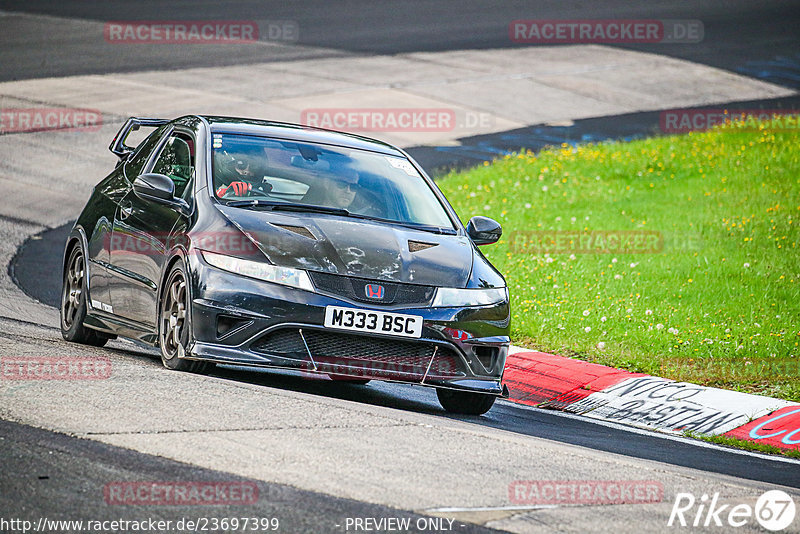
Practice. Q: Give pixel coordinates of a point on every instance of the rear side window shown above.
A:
(133, 167)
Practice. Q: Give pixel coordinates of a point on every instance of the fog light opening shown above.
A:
(486, 355)
(228, 325)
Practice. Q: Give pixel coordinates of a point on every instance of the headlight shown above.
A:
(450, 298)
(263, 271)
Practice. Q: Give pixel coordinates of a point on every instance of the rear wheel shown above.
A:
(465, 402)
(174, 324)
(73, 302)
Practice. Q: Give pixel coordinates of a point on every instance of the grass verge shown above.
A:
(736, 443)
(675, 256)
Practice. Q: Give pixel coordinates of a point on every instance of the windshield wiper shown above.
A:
(283, 206)
(313, 208)
(414, 226)
(249, 202)
(286, 206)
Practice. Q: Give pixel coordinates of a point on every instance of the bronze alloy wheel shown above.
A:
(72, 295)
(175, 324)
(73, 302)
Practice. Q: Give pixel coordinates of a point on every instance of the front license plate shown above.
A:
(395, 324)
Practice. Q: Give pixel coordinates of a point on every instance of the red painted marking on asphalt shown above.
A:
(534, 378)
(780, 429)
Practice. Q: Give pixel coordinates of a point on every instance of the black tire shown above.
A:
(465, 402)
(73, 302)
(349, 379)
(175, 323)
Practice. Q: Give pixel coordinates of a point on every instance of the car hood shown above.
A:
(356, 247)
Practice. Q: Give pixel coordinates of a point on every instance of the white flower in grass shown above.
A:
(746, 265)
(558, 219)
(629, 310)
(659, 326)
(617, 277)
(544, 188)
(587, 329)
(601, 345)
(634, 265)
(528, 205)
(648, 312)
(573, 219)
(603, 319)
(614, 260)
(586, 313)
(472, 195)
(572, 256)
(673, 331)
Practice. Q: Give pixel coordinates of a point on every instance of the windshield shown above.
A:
(361, 182)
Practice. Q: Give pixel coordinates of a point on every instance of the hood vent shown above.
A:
(299, 230)
(416, 246)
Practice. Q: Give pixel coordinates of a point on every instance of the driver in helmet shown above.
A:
(240, 174)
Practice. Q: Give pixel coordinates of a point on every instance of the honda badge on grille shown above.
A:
(374, 291)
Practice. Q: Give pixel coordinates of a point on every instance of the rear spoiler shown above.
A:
(118, 146)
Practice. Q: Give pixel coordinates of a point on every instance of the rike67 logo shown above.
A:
(774, 511)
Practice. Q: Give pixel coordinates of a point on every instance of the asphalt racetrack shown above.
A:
(321, 453)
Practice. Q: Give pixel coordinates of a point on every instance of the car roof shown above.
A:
(296, 132)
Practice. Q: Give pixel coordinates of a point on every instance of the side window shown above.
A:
(134, 166)
(177, 161)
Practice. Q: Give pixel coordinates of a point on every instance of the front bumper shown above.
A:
(243, 321)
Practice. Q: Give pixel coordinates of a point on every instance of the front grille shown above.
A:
(352, 354)
(285, 343)
(328, 344)
(355, 289)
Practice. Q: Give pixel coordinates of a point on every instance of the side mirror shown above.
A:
(154, 186)
(483, 230)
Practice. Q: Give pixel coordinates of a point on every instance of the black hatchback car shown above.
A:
(247, 242)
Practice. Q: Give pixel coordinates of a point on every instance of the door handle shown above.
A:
(125, 211)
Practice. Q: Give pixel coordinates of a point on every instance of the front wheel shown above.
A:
(73, 302)
(465, 402)
(174, 324)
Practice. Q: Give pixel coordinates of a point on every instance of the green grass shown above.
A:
(736, 443)
(718, 304)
